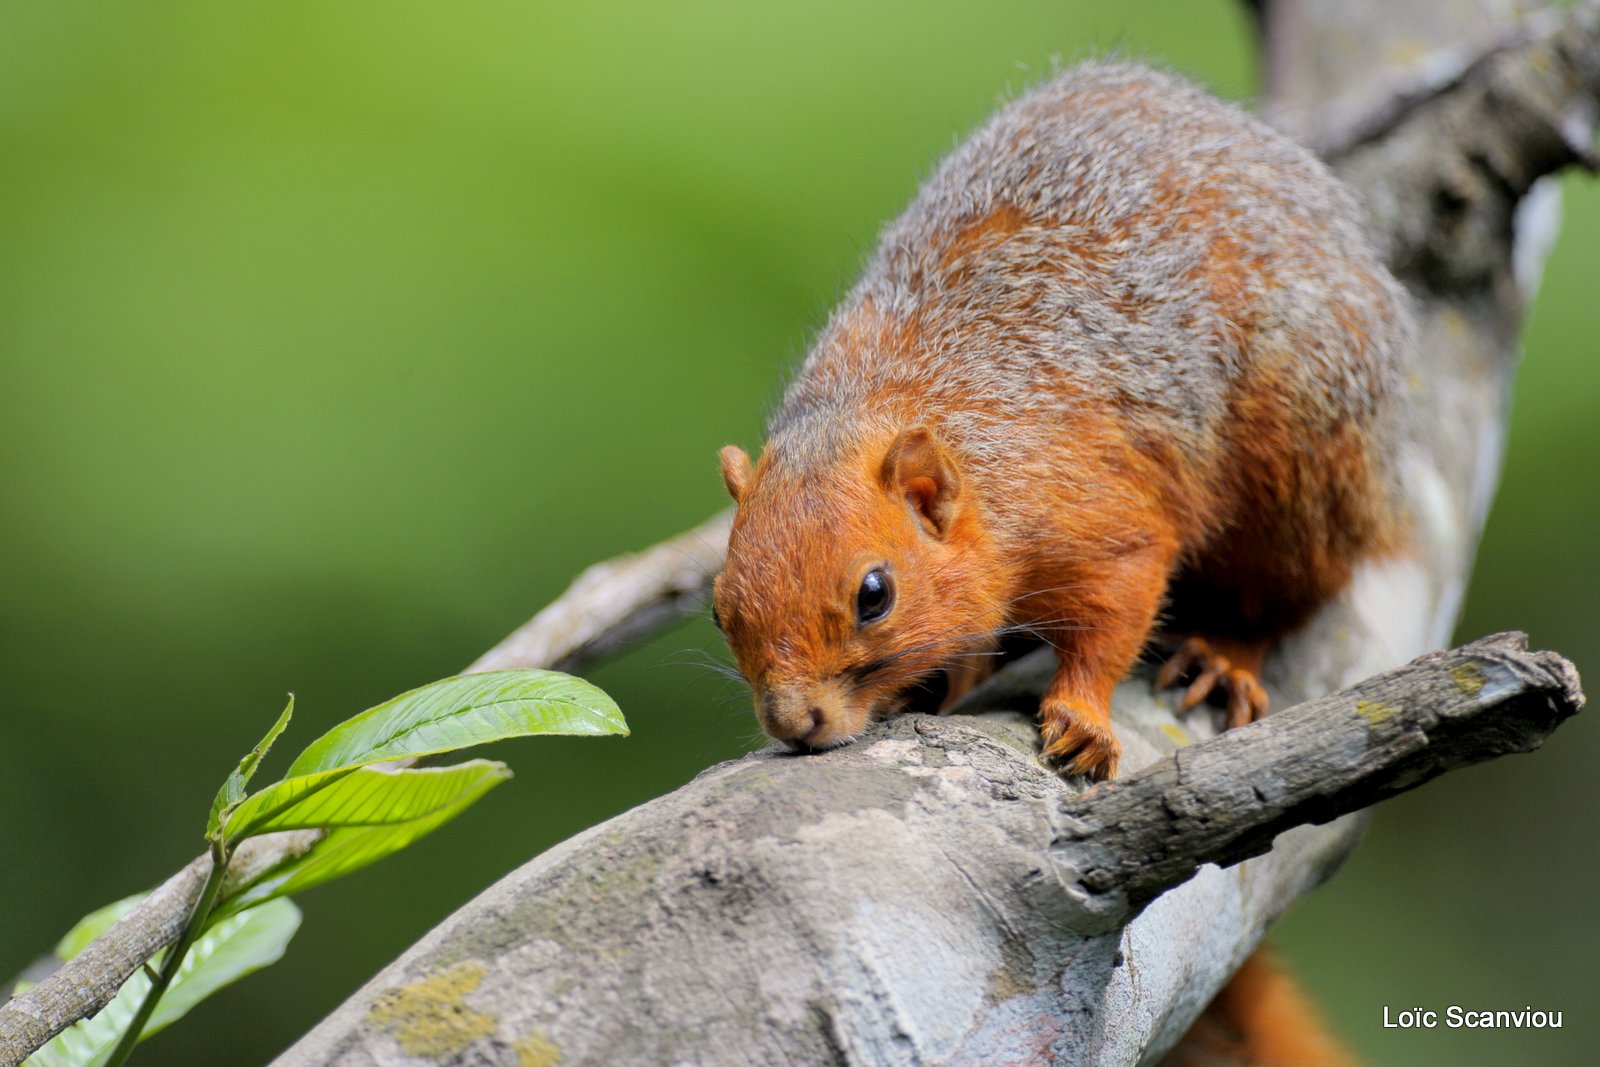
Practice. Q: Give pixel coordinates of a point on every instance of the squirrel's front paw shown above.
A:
(1077, 743)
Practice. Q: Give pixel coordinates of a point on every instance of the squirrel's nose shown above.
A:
(787, 715)
(809, 716)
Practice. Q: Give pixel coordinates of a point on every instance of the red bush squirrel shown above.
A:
(1128, 352)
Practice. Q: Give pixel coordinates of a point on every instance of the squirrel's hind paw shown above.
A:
(1216, 677)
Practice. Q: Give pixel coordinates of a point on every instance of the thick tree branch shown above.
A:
(1338, 71)
(1228, 799)
(1444, 172)
(931, 894)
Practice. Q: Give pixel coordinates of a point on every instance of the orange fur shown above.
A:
(868, 523)
(1260, 1019)
(1093, 378)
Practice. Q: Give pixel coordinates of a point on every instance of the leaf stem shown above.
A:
(174, 958)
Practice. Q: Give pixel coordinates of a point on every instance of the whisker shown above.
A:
(704, 659)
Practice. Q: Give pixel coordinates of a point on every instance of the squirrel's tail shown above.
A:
(1260, 1019)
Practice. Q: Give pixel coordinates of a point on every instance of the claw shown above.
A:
(1077, 744)
(1236, 688)
(1247, 701)
(1181, 662)
(1212, 672)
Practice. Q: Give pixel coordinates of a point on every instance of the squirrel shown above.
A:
(1128, 357)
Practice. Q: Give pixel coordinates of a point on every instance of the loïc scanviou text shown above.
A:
(1455, 1017)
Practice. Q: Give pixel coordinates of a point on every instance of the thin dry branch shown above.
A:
(618, 601)
(86, 983)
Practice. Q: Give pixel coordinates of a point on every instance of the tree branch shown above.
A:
(1226, 800)
(618, 601)
(86, 983)
(1444, 172)
(931, 894)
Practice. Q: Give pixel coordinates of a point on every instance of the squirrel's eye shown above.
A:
(716, 617)
(875, 597)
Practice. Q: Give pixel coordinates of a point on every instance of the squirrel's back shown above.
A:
(1116, 247)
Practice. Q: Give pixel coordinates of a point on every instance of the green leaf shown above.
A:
(232, 791)
(458, 712)
(349, 848)
(225, 953)
(365, 796)
(229, 950)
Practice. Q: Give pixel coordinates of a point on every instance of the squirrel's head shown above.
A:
(851, 584)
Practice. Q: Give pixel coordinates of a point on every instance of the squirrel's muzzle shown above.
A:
(812, 716)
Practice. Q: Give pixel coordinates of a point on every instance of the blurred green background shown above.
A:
(337, 337)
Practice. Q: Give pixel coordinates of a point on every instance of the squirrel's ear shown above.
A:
(918, 466)
(735, 471)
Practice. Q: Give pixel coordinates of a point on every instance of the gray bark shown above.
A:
(932, 894)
